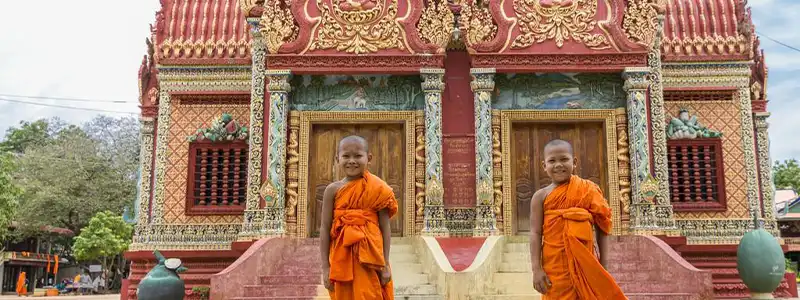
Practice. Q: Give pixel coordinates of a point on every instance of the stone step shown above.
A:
(282, 298)
(660, 296)
(403, 257)
(406, 240)
(410, 279)
(290, 279)
(523, 279)
(420, 289)
(518, 239)
(406, 268)
(516, 267)
(289, 290)
(517, 257)
(517, 247)
(507, 297)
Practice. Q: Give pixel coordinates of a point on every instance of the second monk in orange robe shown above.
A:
(355, 216)
(562, 243)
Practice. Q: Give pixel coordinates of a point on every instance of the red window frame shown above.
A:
(692, 176)
(240, 182)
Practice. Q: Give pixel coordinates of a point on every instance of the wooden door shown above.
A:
(527, 175)
(387, 145)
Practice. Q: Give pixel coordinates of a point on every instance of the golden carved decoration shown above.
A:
(292, 160)
(560, 21)
(277, 25)
(623, 160)
(359, 30)
(641, 20)
(476, 23)
(419, 156)
(436, 24)
(248, 5)
(497, 165)
(607, 116)
(308, 118)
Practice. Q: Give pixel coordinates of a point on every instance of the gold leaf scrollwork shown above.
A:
(436, 24)
(476, 23)
(641, 21)
(292, 162)
(559, 21)
(277, 25)
(359, 27)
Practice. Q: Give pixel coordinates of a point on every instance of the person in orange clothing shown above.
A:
(355, 238)
(22, 285)
(563, 214)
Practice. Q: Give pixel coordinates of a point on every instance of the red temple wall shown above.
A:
(458, 133)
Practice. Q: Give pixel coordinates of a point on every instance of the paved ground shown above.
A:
(98, 297)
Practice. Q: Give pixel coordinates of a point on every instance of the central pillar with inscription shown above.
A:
(482, 87)
(434, 219)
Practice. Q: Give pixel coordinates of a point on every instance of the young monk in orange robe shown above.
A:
(355, 215)
(22, 288)
(562, 246)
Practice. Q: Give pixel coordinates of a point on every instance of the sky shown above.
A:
(85, 49)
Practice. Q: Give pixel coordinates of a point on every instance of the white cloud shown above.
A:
(72, 49)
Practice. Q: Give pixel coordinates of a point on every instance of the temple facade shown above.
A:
(243, 103)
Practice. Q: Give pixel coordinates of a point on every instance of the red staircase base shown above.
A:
(720, 260)
(201, 265)
(274, 268)
(646, 268)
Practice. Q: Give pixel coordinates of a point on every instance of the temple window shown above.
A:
(217, 171)
(696, 176)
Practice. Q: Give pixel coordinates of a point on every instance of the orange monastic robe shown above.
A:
(568, 258)
(22, 289)
(356, 240)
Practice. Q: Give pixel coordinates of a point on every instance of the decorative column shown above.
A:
(253, 215)
(765, 168)
(642, 207)
(274, 188)
(663, 209)
(145, 170)
(433, 86)
(748, 149)
(482, 87)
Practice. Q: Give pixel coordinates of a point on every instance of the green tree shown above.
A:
(105, 238)
(37, 133)
(787, 174)
(9, 193)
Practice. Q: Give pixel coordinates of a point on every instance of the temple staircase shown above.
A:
(513, 279)
(295, 272)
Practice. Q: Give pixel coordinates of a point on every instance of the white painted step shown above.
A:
(517, 247)
(514, 283)
(410, 279)
(517, 257)
(422, 289)
(515, 267)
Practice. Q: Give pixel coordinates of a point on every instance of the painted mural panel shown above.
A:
(356, 92)
(559, 91)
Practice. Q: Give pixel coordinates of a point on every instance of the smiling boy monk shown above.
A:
(355, 234)
(562, 216)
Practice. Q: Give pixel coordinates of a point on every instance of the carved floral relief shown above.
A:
(559, 21)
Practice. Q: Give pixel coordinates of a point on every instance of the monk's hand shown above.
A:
(326, 279)
(386, 275)
(540, 281)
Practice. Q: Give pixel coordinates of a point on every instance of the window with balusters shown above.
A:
(217, 179)
(696, 174)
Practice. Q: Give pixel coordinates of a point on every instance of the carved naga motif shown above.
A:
(476, 23)
(358, 26)
(277, 25)
(559, 20)
(436, 24)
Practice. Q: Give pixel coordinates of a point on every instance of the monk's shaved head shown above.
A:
(559, 143)
(354, 139)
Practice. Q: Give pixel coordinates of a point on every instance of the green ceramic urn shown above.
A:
(760, 262)
(162, 282)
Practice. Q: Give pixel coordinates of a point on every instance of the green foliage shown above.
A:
(106, 236)
(202, 291)
(77, 173)
(9, 193)
(787, 174)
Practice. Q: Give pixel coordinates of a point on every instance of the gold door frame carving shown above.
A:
(607, 116)
(309, 118)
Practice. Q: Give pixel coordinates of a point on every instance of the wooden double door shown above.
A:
(527, 174)
(387, 145)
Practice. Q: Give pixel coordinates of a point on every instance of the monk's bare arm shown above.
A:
(602, 245)
(325, 226)
(537, 219)
(386, 232)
